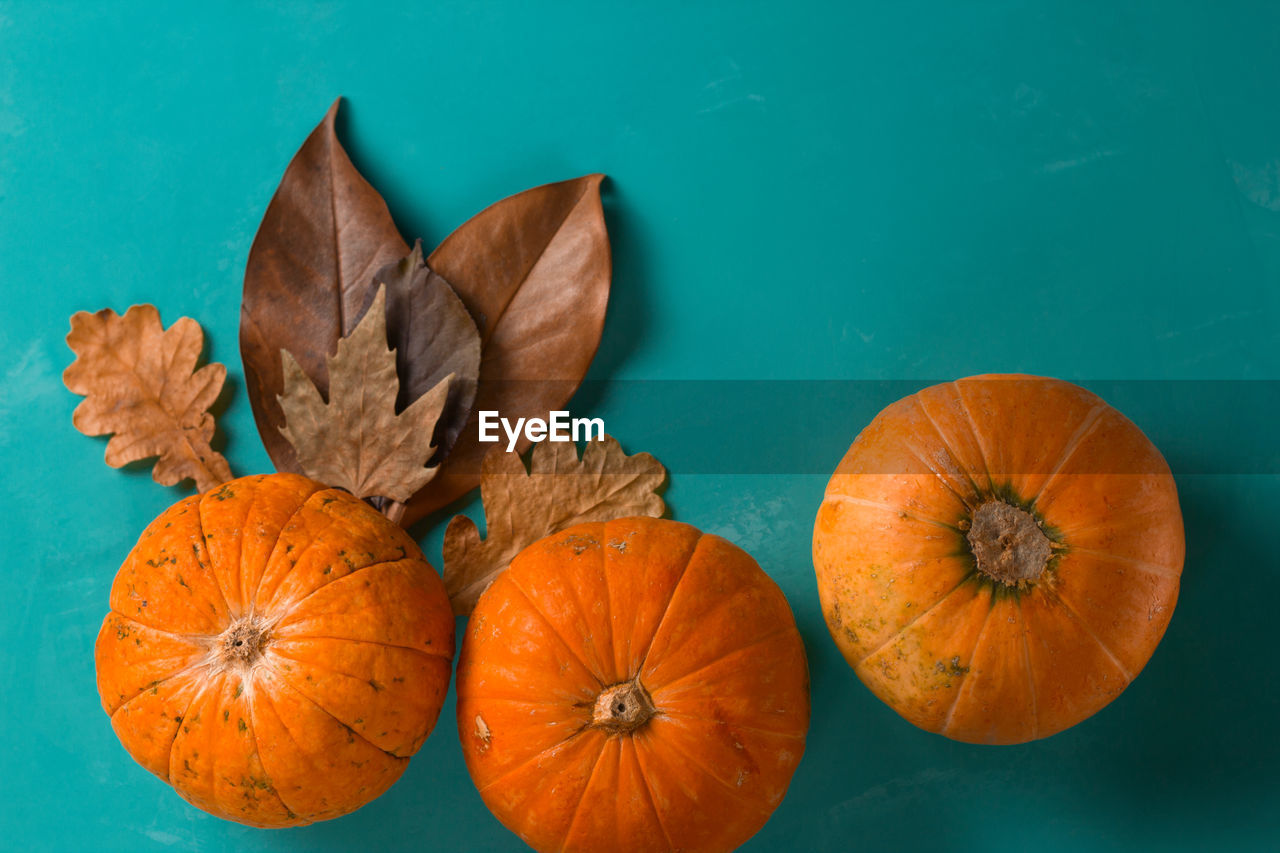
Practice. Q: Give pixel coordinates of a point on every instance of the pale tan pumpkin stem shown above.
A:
(1008, 544)
(623, 708)
(242, 643)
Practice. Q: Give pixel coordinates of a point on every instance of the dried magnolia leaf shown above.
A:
(433, 336)
(534, 271)
(324, 235)
(558, 490)
(141, 384)
(357, 441)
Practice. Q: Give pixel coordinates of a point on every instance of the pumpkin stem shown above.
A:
(622, 708)
(242, 643)
(1008, 544)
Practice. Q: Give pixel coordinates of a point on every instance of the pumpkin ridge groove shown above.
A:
(1092, 635)
(605, 661)
(1031, 678)
(614, 639)
(936, 472)
(842, 498)
(922, 405)
(1140, 565)
(239, 573)
(1087, 426)
(725, 602)
(735, 726)
(556, 632)
(253, 728)
(897, 634)
(177, 730)
(207, 566)
(648, 790)
(714, 661)
(967, 685)
(271, 556)
(329, 714)
(666, 610)
(288, 676)
(185, 637)
(429, 653)
(257, 750)
(510, 771)
(176, 674)
(577, 809)
(292, 607)
(977, 437)
(737, 793)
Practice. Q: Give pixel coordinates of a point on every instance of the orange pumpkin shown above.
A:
(275, 650)
(632, 685)
(998, 557)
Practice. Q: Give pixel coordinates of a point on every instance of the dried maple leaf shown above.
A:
(357, 441)
(433, 336)
(558, 490)
(140, 383)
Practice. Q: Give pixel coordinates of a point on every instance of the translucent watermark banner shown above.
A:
(803, 427)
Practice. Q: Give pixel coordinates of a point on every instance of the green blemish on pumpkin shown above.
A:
(359, 720)
(182, 582)
(328, 500)
(242, 725)
(375, 685)
(226, 716)
(223, 494)
(327, 569)
(954, 669)
(239, 690)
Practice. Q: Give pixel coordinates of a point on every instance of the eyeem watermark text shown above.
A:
(559, 427)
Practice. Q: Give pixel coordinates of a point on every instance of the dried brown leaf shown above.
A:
(558, 491)
(357, 441)
(322, 238)
(141, 384)
(534, 271)
(433, 336)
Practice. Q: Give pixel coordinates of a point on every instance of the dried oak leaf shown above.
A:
(534, 270)
(558, 490)
(357, 441)
(140, 383)
(323, 236)
(433, 336)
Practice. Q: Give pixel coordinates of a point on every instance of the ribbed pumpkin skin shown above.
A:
(952, 650)
(708, 634)
(356, 646)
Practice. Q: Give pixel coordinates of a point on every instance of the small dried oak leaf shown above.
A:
(356, 441)
(141, 385)
(558, 491)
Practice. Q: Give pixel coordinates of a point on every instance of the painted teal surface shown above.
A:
(800, 190)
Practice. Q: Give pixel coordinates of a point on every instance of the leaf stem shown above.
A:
(393, 510)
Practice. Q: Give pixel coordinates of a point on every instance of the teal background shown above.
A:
(800, 190)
